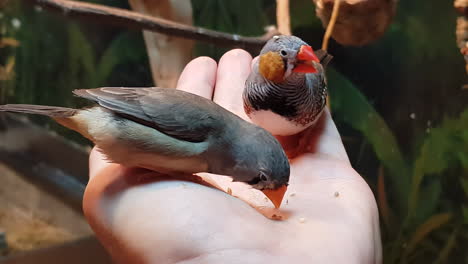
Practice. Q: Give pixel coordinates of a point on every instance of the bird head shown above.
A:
(272, 188)
(284, 55)
(264, 165)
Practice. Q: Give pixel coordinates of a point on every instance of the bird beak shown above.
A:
(276, 196)
(305, 60)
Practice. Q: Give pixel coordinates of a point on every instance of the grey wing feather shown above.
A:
(173, 112)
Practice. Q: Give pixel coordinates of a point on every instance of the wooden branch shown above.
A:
(167, 55)
(283, 19)
(130, 19)
(331, 25)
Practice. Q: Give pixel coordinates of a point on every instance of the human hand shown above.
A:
(328, 215)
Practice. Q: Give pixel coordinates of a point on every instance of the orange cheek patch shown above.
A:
(271, 66)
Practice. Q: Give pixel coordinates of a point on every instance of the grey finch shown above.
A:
(172, 131)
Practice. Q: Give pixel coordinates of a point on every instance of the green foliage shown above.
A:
(451, 243)
(433, 223)
(414, 68)
(350, 106)
(304, 14)
(445, 147)
(465, 214)
(228, 16)
(426, 35)
(464, 183)
(85, 66)
(56, 56)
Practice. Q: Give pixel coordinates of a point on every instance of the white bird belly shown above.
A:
(277, 124)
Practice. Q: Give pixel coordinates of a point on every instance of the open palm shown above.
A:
(328, 215)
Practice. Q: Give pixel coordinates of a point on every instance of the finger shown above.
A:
(122, 212)
(234, 68)
(253, 62)
(97, 162)
(324, 138)
(199, 77)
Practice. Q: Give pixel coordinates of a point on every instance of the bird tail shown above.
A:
(52, 111)
(324, 57)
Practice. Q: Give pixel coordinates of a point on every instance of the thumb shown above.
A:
(97, 162)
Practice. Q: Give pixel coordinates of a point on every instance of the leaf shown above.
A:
(228, 16)
(247, 21)
(433, 223)
(419, 30)
(431, 195)
(382, 201)
(303, 14)
(350, 105)
(464, 183)
(465, 214)
(119, 51)
(439, 152)
(449, 245)
(463, 157)
(82, 63)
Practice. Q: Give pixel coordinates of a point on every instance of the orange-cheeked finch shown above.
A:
(286, 91)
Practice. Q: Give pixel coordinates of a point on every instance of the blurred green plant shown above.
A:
(57, 56)
(86, 66)
(229, 16)
(82, 67)
(7, 57)
(422, 187)
(445, 147)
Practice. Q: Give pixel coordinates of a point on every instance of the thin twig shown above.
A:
(283, 19)
(331, 24)
(328, 32)
(122, 17)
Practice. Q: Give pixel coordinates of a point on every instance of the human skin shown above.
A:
(328, 215)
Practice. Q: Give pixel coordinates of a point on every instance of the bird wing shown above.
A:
(179, 114)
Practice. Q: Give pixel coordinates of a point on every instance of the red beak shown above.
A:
(305, 57)
(276, 196)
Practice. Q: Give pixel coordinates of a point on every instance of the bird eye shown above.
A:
(283, 53)
(263, 177)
